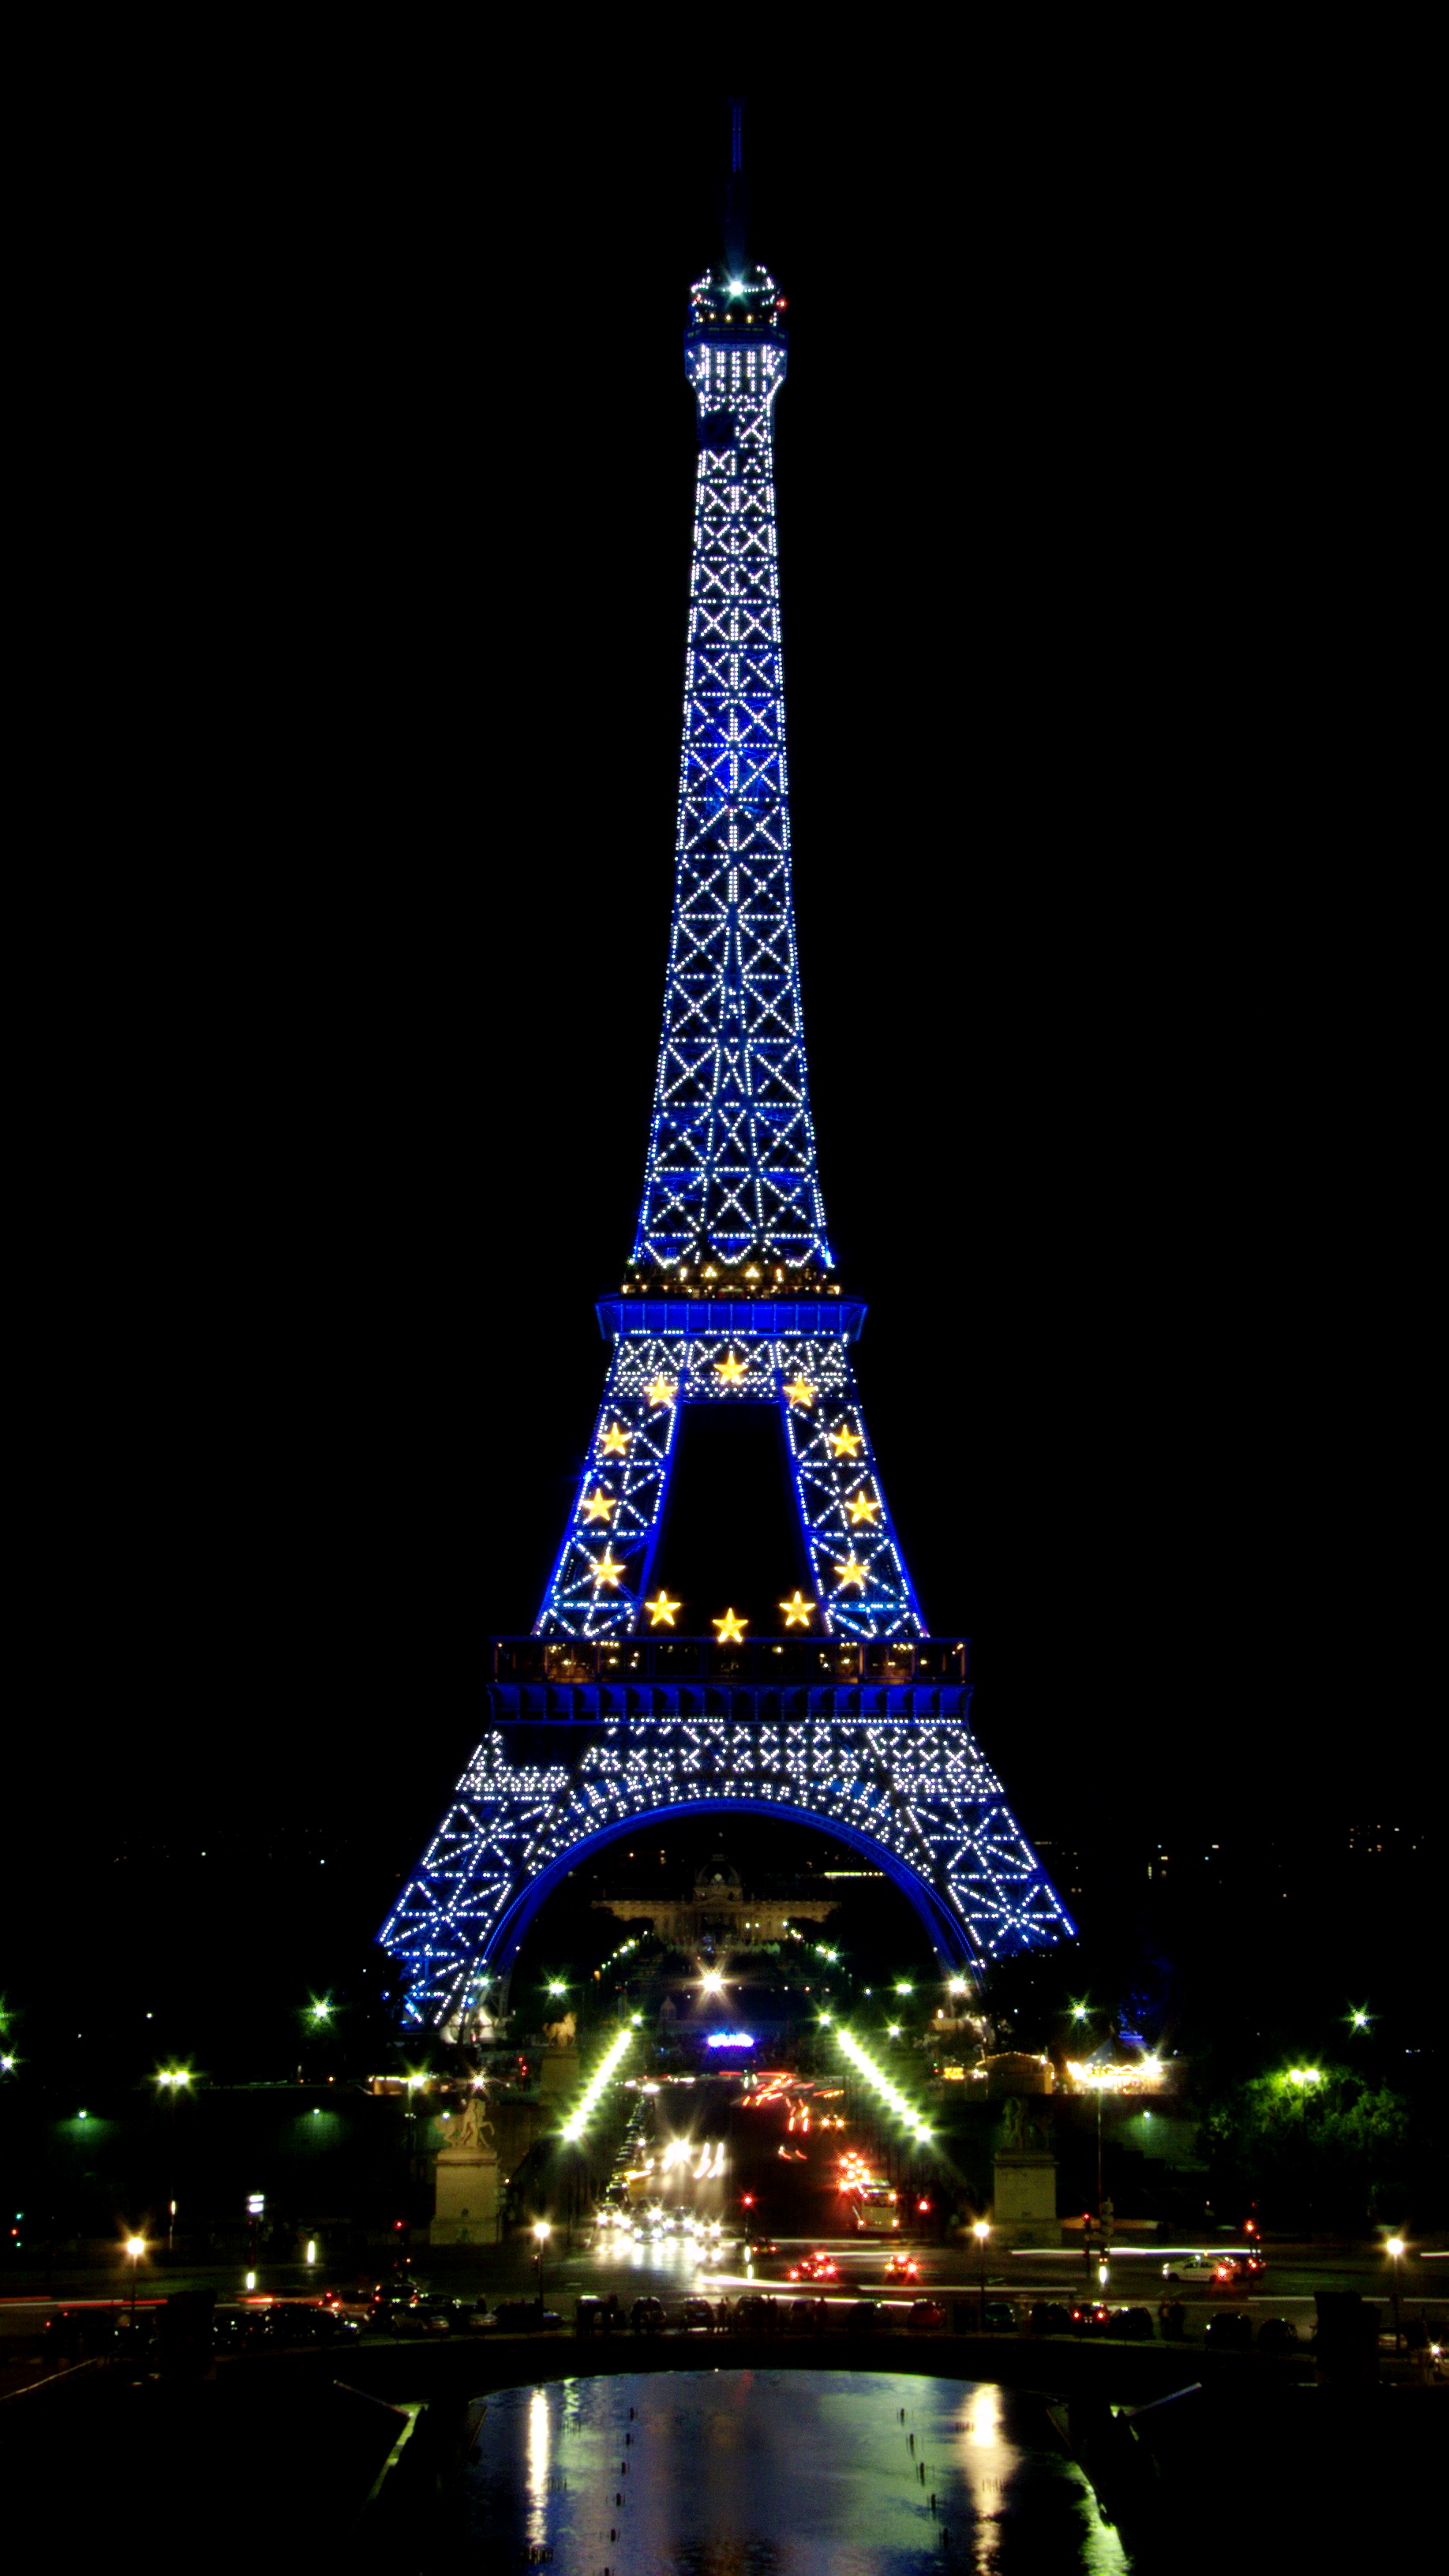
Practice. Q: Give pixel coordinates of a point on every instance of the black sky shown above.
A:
(361, 661)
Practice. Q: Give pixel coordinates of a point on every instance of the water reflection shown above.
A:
(540, 2452)
(781, 2473)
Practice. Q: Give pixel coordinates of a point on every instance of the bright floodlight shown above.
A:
(556, 1986)
(1079, 2012)
(712, 1981)
(955, 1985)
(578, 2121)
(1395, 2246)
(737, 286)
(135, 2247)
(541, 2231)
(981, 2230)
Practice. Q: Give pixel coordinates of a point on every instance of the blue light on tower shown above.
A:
(850, 1717)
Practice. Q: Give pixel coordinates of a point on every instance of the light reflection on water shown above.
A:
(782, 2473)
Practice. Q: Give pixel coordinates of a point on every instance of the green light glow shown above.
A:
(576, 2124)
(876, 2077)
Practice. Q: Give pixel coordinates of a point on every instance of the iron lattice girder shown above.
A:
(601, 1578)
(731, 1163)
(915, 1790)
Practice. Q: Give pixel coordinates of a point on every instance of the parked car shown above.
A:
(647, 2316)
(1089, 2316)
(997, 2316)
(805, 2316)
(1049, 2316)
(697, 2316)
(1230, 2333)
(754, 2314)
(1276, 2334)
(1131, 2325)
(926, 2316)
(77, 2334)
(522, 2316)
(864, 2317)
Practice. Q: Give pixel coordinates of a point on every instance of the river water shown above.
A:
(779, 2473)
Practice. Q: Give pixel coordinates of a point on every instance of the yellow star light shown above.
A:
(661, 1609)
(608, 1568)
(800, 1391)
(614, 1442)
(852, 1572)
(730, 1369)
(845, 1442)
(798, 1611)
(863, 1507)
(660, 1390)
(731, 1630)
(597, 1505)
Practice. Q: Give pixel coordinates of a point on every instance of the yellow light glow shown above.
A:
(800, 1391)
(597, 1506)
(852, 1571)
(541, 2231)
(730, 1370)
(615, 1441)
(981, 2230)
(798, 1611)
(660, 1390)
(661, 1609)
(730, 1630)
(608, 1569)
(845, 1442)
(1395, 2246)
(863, 1507)
(135, 2247)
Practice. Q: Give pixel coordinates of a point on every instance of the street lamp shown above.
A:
(135, 2247)
(981, 2230)
(1395, 2248)
(541, 2234)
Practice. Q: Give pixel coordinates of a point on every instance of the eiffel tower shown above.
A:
(851, 1718)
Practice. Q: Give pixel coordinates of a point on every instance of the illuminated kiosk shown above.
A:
(852, 1717)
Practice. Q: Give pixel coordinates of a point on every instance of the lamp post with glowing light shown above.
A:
(1395, 2251)
(135, 2247)
(173, 2081)
(981, 2232)
(541, 2234)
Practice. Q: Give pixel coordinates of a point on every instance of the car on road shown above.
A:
(1233, 2270)
(902, 2267)
(814, 2267)
(1190, 2267)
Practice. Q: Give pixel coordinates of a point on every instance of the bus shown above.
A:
(877, 2208)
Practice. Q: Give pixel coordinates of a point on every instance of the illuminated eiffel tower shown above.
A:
(850, 1718)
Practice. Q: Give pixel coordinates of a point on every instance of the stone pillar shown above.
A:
(465, 2188)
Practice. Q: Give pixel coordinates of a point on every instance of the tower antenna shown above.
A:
(735, 201)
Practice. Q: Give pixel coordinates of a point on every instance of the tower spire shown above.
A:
(735, 203)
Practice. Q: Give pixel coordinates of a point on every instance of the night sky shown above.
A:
(363, 668)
